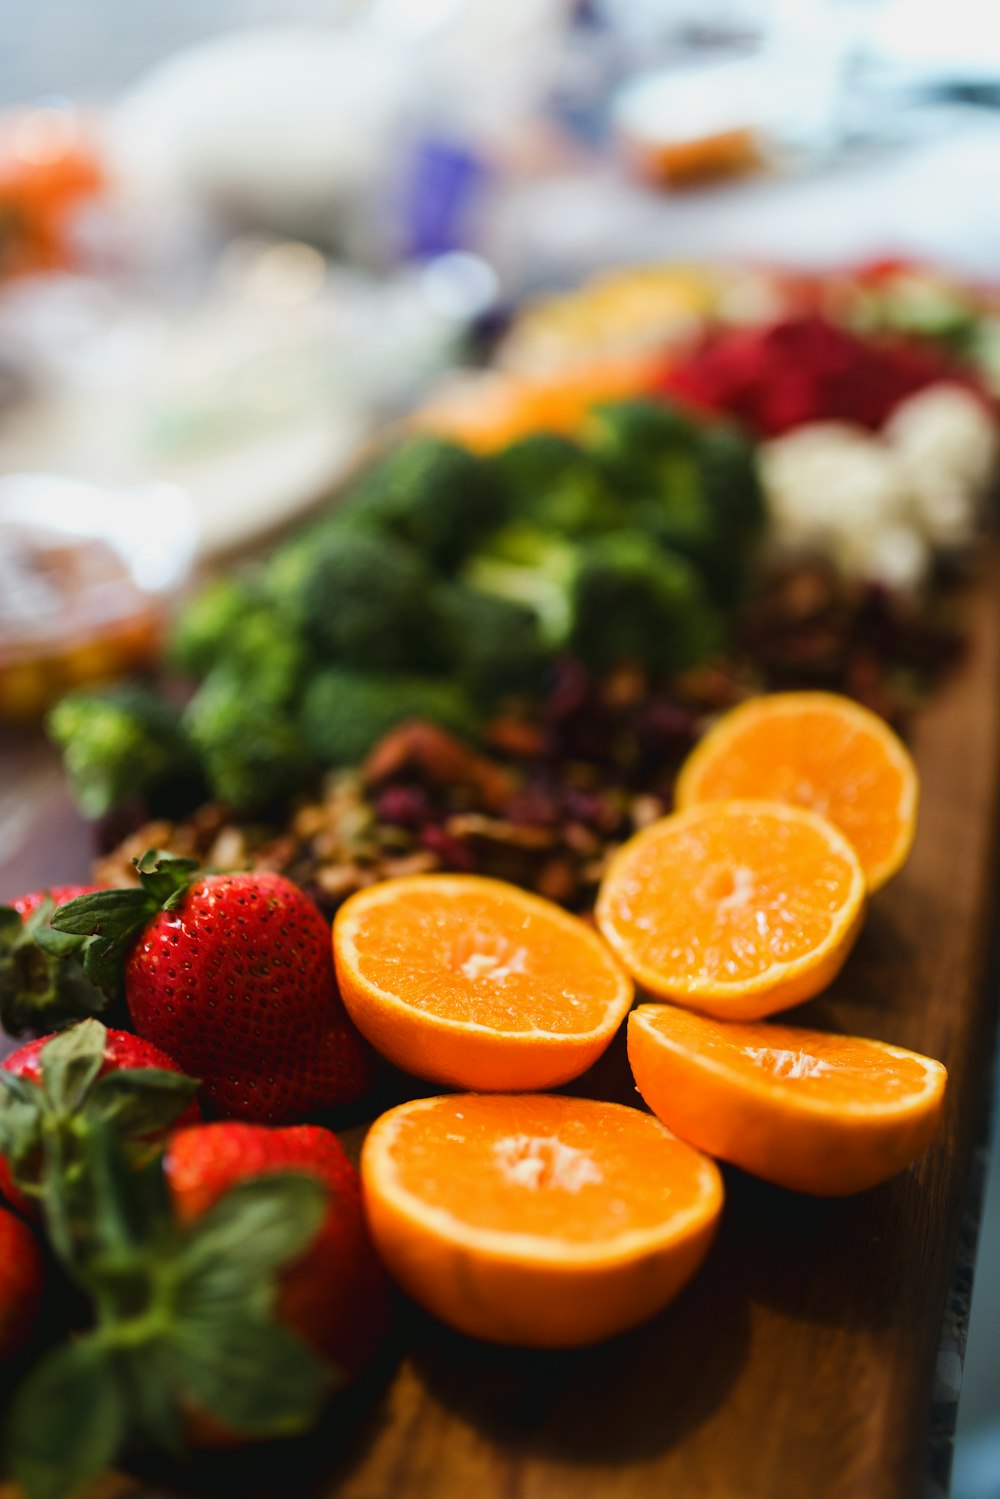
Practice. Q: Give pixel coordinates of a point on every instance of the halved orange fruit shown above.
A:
(534, 1219)
(817, 750)
(817, 1113)
(475, 983)
(735, 908)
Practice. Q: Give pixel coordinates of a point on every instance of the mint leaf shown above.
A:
(67, 1421)
(252, 1375)
(258, 1227)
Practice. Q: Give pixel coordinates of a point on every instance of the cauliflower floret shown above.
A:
(835, 488)
(945, 445)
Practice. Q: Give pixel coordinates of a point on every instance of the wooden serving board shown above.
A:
(799, 1364)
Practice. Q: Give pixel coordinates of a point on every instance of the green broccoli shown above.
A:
(631, 438)
(554, 484)
(636, 602)
(432, 494)
(360, 598)
(731, 483)
(207, 623)
(248, 740)
(526, 565)
(606, 600)
(493, 646)
(345, 713)
(124, 742)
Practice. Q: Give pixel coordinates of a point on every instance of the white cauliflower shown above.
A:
(945, 445)
(837, 489)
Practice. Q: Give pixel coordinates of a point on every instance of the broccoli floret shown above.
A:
(207, 624)
(432, 494)
(122, 743)
(345, 713)
(554, 484)
(636, 602)
(525, 565)
(608, 600)
(248, 739)
(731, 483)
(631, 437)
(493, 646)
(360, 598)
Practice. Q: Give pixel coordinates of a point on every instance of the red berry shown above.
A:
(26, 905)
(335, 1296)
(21, 1279)
(121, 1050)
(237, 983)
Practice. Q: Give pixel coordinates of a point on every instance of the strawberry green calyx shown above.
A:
(43, 986)
(184, 1325)
(104, 925)
(45, 1125)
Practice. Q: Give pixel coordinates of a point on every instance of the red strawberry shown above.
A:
(21, 1277)
(232, 975)
(142, 1108)
(26, 905)
(42, 983)
(336, 1295)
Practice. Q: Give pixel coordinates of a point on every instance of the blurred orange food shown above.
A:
(486, 412)
(49, 165)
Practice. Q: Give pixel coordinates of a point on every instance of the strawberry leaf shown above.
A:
(106, 913)
(43, 985)
(141, 1101)
(70, 1064)
(67, 1421)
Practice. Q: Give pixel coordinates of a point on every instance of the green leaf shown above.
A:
(106, 913)
(67, 1421)
(252, 1375)
(42, 983)
(259, 1226)
(152, 1399)
(11, 927)
(141, 1101)
(71, 1062)
(21, 1110)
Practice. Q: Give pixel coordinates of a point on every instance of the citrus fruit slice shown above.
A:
(535, 1219)
(475, 983)
(818, 750)
(817, 1113)
(735, 908)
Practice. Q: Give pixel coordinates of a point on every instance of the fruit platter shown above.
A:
(523, 1027)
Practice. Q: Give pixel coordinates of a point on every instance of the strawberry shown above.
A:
(189, 1336)
(336, 1295)
(232, 975)
(21, 1278)
(55, 1089)
(42, 983)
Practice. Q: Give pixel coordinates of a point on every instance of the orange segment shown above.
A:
(536, 1220)
(822, 1114)
(475, 983)
(818, 750)
(735, 908)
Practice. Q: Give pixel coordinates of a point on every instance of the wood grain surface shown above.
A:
(799, 1363)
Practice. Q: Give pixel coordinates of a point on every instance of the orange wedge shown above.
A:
(475, 983)
(818, 750)
(735, 908)
(537, 1220)
(822, 1114)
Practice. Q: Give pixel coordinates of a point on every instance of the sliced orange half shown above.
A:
(735, 908)
(817, 1113)
(533, 1219)
(818, 750)
(475, 983)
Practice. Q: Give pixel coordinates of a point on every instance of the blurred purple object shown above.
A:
(444, 182)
